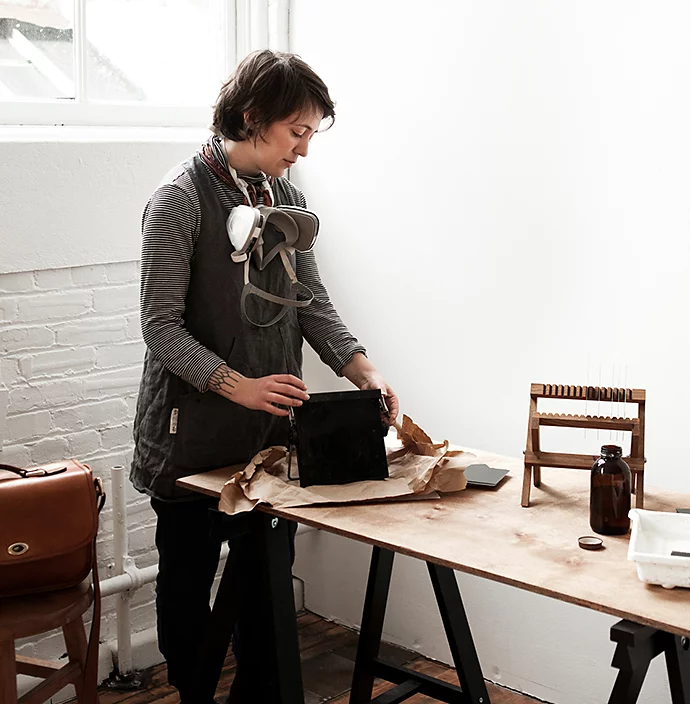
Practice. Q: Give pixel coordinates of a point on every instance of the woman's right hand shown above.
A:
(265, 393)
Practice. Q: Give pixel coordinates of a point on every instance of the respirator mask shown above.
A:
(263, 233)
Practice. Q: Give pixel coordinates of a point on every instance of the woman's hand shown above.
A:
(266, 393)
(364, 375)
(376, 381)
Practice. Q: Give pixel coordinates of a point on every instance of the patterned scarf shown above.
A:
(214, 157)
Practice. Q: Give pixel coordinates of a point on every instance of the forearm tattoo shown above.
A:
(224, 381)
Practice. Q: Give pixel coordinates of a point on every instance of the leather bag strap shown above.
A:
(90, 674)
(36, 472)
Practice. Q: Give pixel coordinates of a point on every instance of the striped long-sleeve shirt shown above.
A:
(170, 230)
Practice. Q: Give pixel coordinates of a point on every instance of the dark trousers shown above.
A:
(188, 561)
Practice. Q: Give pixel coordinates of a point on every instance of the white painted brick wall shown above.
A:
(28, 426)
(70, 363)
(98, 414)
(23, 281)
(96, 275)
(21, 338)
(52, 306)
(116, 299)
(8, 310)
(90, 332)
(4, 403)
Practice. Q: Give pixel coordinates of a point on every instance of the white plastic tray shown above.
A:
(655, 535)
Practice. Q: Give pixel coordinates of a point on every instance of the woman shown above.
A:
(222, 369)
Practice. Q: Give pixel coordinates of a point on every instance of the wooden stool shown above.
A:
(24, 616)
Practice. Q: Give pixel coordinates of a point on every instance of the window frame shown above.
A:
(246, 25)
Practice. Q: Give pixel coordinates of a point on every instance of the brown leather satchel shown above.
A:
(48, 527)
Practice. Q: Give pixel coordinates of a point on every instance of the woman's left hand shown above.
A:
(376, 381)
(364, 375)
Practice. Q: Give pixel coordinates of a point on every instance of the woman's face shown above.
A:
(285, 141)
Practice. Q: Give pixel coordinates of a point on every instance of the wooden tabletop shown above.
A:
(486, 532)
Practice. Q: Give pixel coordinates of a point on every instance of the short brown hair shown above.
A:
(269, 86)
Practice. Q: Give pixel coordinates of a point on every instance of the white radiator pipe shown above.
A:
(128, 577)
(122, 562)
(132, 578)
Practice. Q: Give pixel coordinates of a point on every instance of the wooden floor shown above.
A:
(328, 653)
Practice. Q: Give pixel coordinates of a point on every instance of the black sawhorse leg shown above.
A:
(257, 579)
(368, 665)
(636, 647)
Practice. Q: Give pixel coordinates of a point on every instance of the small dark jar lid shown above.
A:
(590, 542)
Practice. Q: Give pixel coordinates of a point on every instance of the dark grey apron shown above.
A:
(210, 431)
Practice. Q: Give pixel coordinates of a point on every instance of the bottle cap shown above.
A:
(590, 542)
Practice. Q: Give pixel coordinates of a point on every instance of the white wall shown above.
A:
(503, 200)
(70, 338)
(71, 353)
(71, 197)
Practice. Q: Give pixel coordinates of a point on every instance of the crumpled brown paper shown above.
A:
(416, 466)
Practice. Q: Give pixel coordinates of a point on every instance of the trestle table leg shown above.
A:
(282, 652)
(458, 633)
(678, 666)
(368, 665)
(636, 647)
(261, 586)
(372, 625)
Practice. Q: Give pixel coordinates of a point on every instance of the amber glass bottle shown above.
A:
(610, 489)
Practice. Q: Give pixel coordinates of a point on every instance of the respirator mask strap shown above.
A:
(287, 303)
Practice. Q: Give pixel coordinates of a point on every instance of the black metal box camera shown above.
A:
(339, 438)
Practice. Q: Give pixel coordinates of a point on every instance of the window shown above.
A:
(122, 62)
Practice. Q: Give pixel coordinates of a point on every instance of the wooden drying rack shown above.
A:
(535, 459)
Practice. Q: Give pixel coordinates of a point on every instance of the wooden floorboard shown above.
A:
(327, 652)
